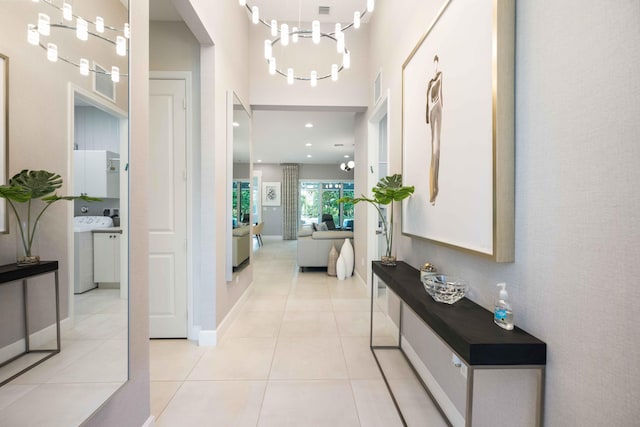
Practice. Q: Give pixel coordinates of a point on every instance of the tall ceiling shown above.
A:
(281, 136)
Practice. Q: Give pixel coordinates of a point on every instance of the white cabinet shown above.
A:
(106, 257)
(96, 173)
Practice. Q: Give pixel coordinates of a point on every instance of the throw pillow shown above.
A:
(323, 227)
(305, 231)
(315, 226)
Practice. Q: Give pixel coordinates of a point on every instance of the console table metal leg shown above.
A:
(58, 347)
(541, 386)
(469, 410)
(25, 297)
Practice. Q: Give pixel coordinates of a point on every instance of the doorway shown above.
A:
(98, 135)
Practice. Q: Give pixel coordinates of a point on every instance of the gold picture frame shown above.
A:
(458, 133)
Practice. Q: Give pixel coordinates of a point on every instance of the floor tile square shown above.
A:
(309, 358)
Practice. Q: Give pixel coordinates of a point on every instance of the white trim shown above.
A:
(187, 77)
(150, 422)
(207, 339)
(37, 339)
(450, 410)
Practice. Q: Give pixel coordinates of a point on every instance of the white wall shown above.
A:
(226, 67)
(574, 281)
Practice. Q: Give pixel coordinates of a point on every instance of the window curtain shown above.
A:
(290, 197)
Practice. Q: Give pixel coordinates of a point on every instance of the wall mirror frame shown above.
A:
(94, 357)
(239, 186)
(4, 137)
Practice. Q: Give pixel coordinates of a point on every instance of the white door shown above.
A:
(167, 210)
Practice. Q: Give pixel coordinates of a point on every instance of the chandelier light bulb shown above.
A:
(351, 164)
(255, 15)
(343, 166)
(272, 66)
(290, 76)
(346, 59)
(338, 30)
(294, 34)
(242, 2)
(52, 52)
(115, 74)
(84, 66)
(340, 42)
(370, 5)
(121, 46)
(284, 35)
(315, 31)
(356, 20)
(99, 24)
(127, 30)
(82, 29)
(67, 11)
(268, 49)
(274, 28)
(44, 24)
(334, 72)
(33, 36)
(314, 78)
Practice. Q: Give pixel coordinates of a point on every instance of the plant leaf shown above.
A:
(37, 183)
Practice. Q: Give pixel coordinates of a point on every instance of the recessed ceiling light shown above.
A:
(259, 161)
(309, 125)
(236, 124)
(309, 155)
(346, 156)
(308, 144)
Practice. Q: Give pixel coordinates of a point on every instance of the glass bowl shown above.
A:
(443, 288)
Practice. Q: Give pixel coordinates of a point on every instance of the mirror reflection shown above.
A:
(241, 193)
(68, 114)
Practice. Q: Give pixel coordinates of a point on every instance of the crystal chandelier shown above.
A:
(118, 37)
(284, 35)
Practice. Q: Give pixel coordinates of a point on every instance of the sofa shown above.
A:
(241, 246)
(314, 246)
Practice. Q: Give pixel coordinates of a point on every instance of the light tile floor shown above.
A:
(297, 355)
(65, 389)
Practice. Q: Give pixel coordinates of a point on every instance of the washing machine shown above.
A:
(83, 250)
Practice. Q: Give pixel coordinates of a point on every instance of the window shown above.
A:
(241, 195)
(317, 198)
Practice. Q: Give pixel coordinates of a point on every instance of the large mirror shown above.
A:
(68, 103)
(4, 134)
(240, 189)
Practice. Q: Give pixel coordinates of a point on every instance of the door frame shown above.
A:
(123, 116)
(192, 330)
(382, 109)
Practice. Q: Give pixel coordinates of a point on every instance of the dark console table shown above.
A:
(465, 328)
(12, 273)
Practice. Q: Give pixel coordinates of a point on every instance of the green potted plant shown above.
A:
(24, 188)
(388, 190)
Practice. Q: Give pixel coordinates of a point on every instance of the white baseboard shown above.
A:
(455, 417)
(207, 338)
(151, 422)
(37, 339)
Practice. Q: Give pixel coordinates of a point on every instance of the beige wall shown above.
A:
(574, 281)
(39, 138)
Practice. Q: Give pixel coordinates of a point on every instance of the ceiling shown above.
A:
(281, 136)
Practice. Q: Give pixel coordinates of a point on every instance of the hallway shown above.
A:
(296, 355)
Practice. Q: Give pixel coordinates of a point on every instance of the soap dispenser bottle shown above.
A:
(502, 314)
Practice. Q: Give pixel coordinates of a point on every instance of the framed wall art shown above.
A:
(458, 129)
(271, 195)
